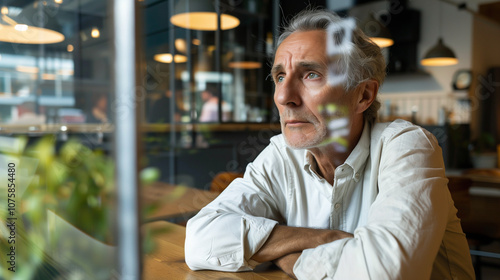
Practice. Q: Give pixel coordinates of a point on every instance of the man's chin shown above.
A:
(300, 144)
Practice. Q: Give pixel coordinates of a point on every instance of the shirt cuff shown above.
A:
(319, 262)
(255, 231)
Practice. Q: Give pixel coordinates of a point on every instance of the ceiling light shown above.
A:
(12, 31)
(439, 55)
(201, 15)
(95, 33)
(47, 76)
(65, 72)
(245, 65)
(377, 32)
(180, 45)
(167, 58)
(27, 69)
(70, 48)
(21, 27)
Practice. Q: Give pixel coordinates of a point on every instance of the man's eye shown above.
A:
(312, 76)
(280, 79)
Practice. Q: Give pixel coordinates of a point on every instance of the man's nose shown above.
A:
(288, 93)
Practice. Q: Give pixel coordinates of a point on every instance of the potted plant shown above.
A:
(483, 151)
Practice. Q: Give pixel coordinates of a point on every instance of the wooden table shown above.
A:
(173, 201)
(167, 261)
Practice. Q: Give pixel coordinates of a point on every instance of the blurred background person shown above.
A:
(99, 111)
(160, 109)
(210, 109)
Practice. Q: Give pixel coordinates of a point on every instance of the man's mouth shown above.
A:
(294, 123)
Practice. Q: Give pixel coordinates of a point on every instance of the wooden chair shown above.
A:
(222, 180)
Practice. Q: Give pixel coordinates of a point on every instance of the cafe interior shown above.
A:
(121, 119)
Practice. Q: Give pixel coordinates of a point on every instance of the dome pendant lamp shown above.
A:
(201, 15)
(439, 55)
(377, 32)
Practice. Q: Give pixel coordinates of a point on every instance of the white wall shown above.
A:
(456, 31)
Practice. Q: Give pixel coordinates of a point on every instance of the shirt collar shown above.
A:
(356, 160)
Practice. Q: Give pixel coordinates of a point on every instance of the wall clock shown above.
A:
(462, 79)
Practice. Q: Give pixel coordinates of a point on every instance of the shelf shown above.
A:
(56, 128)
(109, 128)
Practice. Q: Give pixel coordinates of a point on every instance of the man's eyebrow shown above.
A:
(312, 65)
(276, 69)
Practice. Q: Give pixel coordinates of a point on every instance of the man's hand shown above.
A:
(287, 262)
(285, 240)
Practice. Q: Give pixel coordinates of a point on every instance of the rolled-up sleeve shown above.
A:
(230, 230)
(406, 222)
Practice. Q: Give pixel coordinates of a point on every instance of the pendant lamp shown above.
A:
(377, 32)
(245, 64)
(439, 55)
(201, 15)
(20, 30)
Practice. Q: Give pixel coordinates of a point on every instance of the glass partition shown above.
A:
(56, 154)
(218, 74)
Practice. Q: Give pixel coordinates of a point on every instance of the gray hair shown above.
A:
(364, 62)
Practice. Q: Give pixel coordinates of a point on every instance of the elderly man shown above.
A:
(336, 195)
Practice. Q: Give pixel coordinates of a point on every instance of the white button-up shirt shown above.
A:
(391, 194)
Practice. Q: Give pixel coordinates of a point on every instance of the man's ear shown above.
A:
(366, 95)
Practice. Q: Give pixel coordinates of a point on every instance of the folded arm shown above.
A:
(406, 223)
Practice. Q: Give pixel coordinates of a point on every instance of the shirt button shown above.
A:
(356, 176)
(337, 206)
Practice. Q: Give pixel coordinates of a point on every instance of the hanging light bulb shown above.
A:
(167, 58)
(95, 33)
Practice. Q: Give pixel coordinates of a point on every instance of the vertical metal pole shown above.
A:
(276, 22)
(218, 45)
(173, 97)
(276, 30)
(129, 250)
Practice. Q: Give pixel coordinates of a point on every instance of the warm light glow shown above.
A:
(95, 33)
(180, 45)
(382, 42)
(167, 58)
(33, 35)
(21, 27)
(196, 42)
(58, 1)
(204, 21)
(47, 76)
(245, 65)
(70, 48)
(4, 10)
(439, 61)
(27, 69)
(65, 72)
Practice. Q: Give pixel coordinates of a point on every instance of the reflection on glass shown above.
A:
(55, 110)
